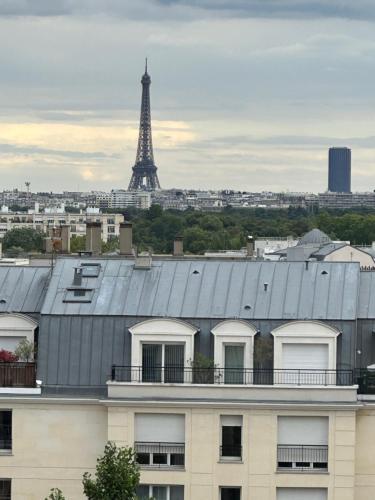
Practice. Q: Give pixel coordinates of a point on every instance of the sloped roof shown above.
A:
(315, 237)
(328, 249)
(22, 288)
(193, 288)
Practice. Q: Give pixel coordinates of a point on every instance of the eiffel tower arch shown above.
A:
(145, 175)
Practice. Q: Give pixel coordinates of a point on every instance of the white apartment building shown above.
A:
(120, 198)
(57, 217)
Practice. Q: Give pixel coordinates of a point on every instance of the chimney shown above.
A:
(250, 246)
(94, 237)
(126, 238)
(65, 238)
(178, 246)
(77, 280)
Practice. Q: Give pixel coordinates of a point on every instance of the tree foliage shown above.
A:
(55, 494)
(117, 475)
(26, 239)
(229, 228)
(24, 350)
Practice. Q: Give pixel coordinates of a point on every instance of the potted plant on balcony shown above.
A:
(25, 350)
(7, 374)
(203, 369)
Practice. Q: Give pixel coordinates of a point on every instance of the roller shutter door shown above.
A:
(301, 494)
(305, 356)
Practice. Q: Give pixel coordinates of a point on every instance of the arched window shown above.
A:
(161, 350)
(234, 350)
(14, 328)
(305, 349)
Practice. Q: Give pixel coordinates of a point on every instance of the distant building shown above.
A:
(339, 170)
(119, 198)
(110, 223)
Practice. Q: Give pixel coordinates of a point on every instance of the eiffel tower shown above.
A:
(144, 171)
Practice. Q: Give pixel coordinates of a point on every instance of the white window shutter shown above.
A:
(159, 428)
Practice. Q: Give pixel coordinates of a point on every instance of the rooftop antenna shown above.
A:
(146, 66)
(27, 184)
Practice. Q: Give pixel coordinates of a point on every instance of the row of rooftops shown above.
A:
(190, 288)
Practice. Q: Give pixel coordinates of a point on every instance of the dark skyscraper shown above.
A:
(339, 170)
(144, 171)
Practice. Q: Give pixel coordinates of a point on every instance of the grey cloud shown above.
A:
(184, 9)
(13, 149)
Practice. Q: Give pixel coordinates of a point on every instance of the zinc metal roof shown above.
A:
(193, 288)
(315, 237)
(366, 299)
(22, 288)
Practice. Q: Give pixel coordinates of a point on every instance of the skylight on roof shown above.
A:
(78, 294)
(90, 270)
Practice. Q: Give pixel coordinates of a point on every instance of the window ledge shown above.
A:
(230, 461)
(302, 471)
(162, 468)
(6, 453)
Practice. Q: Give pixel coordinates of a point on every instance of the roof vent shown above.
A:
(3, 301)
(195, 272)
(247, 307)
(324, 272)
(143, 261)
(265, 286)
(77, 280)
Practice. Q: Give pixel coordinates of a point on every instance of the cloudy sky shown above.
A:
(246, 94)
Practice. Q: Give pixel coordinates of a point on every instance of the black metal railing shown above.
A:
(240, 376)
(302, 457)
(17, 374)
(5, 437)
(230, 451)
(167, 455)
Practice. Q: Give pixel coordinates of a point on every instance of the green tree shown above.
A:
(117, 475)
(77, 243)
(25, 238)
(24, 350)
(55, 494)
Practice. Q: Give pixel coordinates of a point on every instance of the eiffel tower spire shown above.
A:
(144, 171)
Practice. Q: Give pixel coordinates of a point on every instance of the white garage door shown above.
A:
(301, 494)
(10, 343)
(305, 356)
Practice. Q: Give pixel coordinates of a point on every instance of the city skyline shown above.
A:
(254, 106)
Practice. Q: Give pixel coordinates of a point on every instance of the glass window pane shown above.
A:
(143, 492)
(151, 362)
(234, 364)
(5, 430)
(231, 441)
(230, 493)
(159, 492)
(174, 363)
(176, 493)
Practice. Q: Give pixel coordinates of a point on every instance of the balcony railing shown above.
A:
(231, 451)
(241, 376)
(17, 374)
(161, 455)
(302, 457)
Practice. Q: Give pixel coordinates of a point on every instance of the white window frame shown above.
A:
(162, 331)
(305, 332)
(234, 332)
(151, 486)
